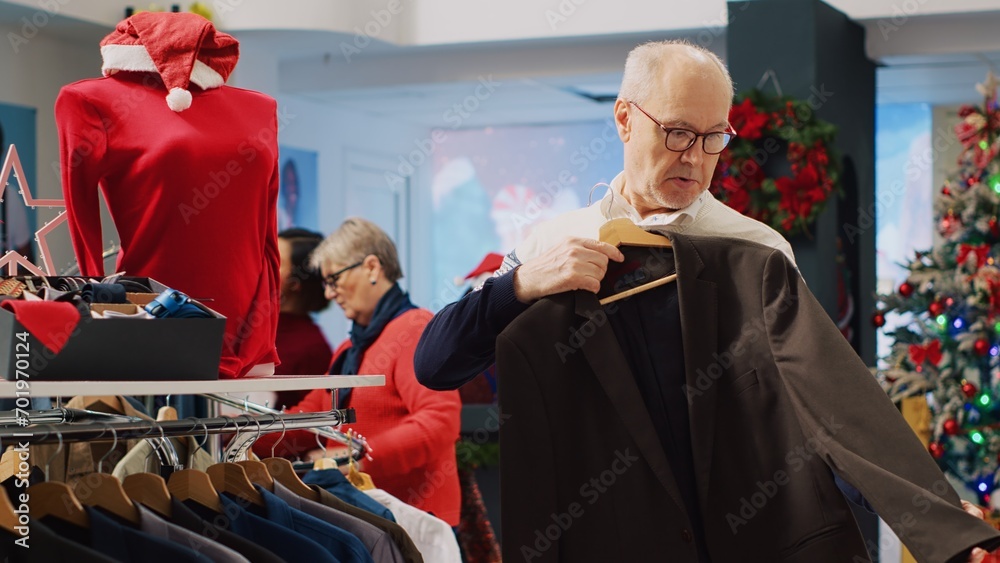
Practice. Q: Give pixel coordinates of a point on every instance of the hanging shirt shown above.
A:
(153, 525)
(433, 537)
(283, 542)
(377, 542)
(334, 481)
(193, 196)
(189, 519)
(399, 536)
(342, 545)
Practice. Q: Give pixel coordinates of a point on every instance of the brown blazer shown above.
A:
(777, 398)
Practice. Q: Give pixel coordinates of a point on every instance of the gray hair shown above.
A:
(355, 239)
(644, 62)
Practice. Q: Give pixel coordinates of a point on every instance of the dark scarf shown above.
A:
(393, 304)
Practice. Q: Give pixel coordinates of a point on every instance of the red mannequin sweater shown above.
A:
(193, 195)
(411, 430)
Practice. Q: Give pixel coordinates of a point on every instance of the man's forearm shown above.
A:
(460, 341)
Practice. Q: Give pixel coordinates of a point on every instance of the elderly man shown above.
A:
(672, 117)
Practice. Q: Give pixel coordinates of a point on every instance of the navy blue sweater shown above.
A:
(460, 341)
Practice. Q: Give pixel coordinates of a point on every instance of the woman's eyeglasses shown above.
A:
(330, 281)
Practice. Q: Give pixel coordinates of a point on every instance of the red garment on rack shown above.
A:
(193, 195)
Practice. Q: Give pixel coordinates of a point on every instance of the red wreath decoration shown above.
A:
(777, 134)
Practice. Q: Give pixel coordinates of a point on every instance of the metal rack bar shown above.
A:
(107, 431)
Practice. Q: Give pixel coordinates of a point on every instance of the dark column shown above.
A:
(818, 55)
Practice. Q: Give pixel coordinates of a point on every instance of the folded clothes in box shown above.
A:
(57, 329)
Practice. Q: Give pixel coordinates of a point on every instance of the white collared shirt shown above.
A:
(707, 216)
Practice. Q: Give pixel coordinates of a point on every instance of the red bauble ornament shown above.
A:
(949, 224)
(969, 390)
(878, 320)
(981, 347)
(936, 449)
(951, 427)
(905, 289)
(945, 191)
(935, 308)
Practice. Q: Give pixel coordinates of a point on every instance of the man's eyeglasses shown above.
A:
(680, 139)
(330, 281)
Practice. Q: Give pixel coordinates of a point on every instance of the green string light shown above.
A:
(943, 320)
(983, 144)
(984, 399)
(977, 437)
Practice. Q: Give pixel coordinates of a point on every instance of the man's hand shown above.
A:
(575, 263)
(977, 554)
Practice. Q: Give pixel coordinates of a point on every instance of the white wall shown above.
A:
(32, 76)
(333, 133)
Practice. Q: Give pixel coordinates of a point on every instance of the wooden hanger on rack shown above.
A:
(282, 471)
(150, 491)
(105, 491)
(231, 478)
(255, 470)
(362, 481)
(623, 232)
(56, 500)
(194, 485)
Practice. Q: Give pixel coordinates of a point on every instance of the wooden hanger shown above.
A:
(282, 471)
(8, 464)
(105, 404)
(362, 481)
(166, 413)
(623, 232)
(57, 500)
(191, 484)
(8, 518)
(150, 491)
(105, 491)
(258, 473)
(231, 478)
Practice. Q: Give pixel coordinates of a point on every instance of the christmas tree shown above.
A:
(949, 345)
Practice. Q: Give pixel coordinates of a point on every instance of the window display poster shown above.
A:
(491, 187)
(17, 127)
(298, 189)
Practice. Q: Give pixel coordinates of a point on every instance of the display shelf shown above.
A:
(246, 384)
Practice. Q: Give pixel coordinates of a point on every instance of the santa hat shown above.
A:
(181, 47)
(488, 265)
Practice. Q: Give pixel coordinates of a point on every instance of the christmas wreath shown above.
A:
(781, 168)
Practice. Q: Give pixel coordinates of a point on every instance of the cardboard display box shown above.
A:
(118, 348)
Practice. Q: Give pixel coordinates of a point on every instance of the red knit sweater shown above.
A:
(192, 194)
(411, 430)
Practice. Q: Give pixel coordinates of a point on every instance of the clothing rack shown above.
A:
(142, 429)
(60, 416)
(355, 443)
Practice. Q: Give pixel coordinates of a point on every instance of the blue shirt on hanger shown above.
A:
(283, 542)
(343, 545)
(120, 542)
(335, 482)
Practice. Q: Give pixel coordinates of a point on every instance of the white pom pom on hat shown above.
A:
(179, 99)
(182, 48)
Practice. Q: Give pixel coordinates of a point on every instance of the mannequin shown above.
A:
(191, 181)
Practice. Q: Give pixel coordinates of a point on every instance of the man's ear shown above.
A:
(622, 120)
